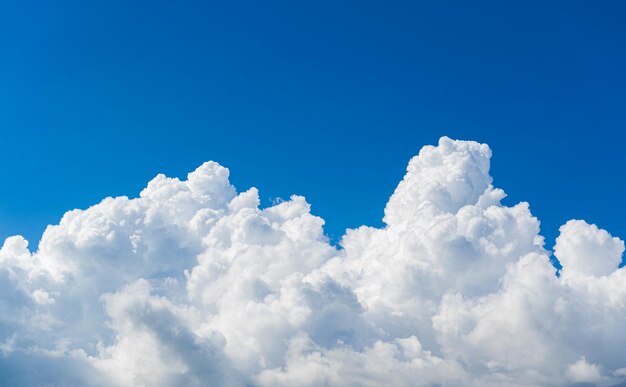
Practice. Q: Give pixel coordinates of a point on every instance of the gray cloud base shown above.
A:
(193, 283)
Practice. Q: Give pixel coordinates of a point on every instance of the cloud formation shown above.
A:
(192, 283)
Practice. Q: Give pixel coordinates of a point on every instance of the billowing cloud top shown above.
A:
(193, 284)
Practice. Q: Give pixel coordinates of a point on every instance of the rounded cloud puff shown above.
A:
(193, 283)
(584, 249)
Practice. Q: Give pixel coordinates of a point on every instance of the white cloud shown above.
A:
(583, 372)
(193, 283)
(585, 250)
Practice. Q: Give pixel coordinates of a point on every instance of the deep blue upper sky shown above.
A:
(324, 99)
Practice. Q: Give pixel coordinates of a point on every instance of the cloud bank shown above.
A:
(192, 283)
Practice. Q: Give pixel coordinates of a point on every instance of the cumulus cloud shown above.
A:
(193, 283)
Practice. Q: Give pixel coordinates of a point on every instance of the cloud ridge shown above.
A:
(193, 283)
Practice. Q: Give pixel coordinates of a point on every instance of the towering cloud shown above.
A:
(193, 283)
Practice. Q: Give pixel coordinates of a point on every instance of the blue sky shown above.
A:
(324, 99)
